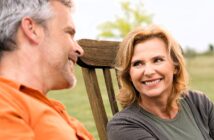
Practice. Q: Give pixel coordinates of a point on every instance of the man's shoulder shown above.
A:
(18, 101)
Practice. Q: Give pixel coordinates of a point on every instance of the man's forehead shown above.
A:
(63, 14)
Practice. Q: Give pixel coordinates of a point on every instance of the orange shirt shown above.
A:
(26, 114)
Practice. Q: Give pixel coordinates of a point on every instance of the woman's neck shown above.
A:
(160, 108)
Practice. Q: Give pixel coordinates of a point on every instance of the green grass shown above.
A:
(201, 74)
(201, 71)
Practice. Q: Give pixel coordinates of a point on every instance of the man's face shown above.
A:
(59, 50)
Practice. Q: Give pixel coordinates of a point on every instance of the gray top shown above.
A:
(182, 127)
(133, 123)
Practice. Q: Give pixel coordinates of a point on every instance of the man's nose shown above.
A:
(78, 49)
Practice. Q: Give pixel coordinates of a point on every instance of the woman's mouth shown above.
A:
(152, 82)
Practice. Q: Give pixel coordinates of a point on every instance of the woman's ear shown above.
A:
(175, 70)
(129, 77)
(31, 29)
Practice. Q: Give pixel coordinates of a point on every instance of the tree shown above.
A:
(211, 47)
(133, 15)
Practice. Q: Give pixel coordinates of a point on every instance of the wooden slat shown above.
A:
(98, 53)
(110, 90)
(96, 102)
(117, 76)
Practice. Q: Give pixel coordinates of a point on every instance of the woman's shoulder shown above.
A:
(129, 116)
(200, 101)
(195, 96)
(132, 116)
(128, 124)
(127, 113)
(132, 123)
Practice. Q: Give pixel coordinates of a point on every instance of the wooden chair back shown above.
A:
(99, 55)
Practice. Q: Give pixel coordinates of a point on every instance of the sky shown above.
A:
(191, 22)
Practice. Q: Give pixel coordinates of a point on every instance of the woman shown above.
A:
(154, 95)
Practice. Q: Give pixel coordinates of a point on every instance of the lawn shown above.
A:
(201, 71)
(201, 74)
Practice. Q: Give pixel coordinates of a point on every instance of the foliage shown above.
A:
(210, 50)
(133, 15)
(211, 47)
(190, 52)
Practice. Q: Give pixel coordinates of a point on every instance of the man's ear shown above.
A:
(31, 29)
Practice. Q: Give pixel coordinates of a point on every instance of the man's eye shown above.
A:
(71, 34)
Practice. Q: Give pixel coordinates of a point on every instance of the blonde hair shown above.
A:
(128, 94)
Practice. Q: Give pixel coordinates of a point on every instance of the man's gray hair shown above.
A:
(12, 12)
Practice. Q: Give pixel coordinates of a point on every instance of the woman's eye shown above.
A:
(157, 60)
(137, 63)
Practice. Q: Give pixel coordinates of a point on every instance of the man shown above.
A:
(37, 54)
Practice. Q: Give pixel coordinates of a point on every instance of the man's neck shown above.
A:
(21, 67)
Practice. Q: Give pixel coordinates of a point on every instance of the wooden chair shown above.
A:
(99, 55)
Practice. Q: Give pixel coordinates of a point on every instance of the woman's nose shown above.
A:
(148, 70)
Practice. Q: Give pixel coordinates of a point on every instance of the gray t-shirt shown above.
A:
(182, 127)
(132, 123)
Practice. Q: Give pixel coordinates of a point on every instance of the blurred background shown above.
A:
(189, 21)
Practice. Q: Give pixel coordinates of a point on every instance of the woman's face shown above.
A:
(152, 69)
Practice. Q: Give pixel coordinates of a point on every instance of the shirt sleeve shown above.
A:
(205, 108)
(210, 109)
(123, 130)
(80, 129)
